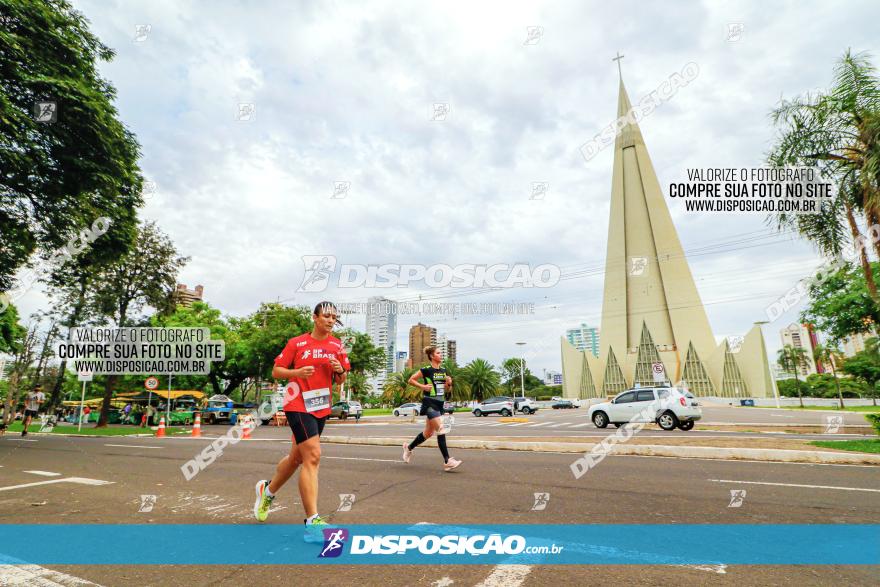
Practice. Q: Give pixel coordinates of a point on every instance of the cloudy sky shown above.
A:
(344, 92)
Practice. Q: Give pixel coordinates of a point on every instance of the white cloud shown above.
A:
(343, 93)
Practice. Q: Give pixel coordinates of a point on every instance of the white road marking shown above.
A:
(134, 445)
(360, 459)
(78, 480)
(43, 473)
(540, 424)
(38, 576)
(797, 485)
(584, 425)
(22, 439)
(506, 576)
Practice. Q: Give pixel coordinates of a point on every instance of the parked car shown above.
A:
(668, 407)
(343, 410)
(494, 405)
(410, 409)
(564, 404)
(524, 405)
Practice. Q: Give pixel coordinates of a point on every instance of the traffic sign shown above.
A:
(151, 383)
(657, 371)
(84, 375)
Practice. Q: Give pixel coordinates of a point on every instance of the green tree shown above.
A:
(11, 332)
(866, 366)
(836, 132)
(57, 176)
(791, 359)
(510, 373)
(199, 315)
(482, 378)
(827, 355)
(840, 304)
(365, 357)
(146, 275)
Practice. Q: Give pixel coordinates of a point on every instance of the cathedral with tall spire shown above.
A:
(654, 326)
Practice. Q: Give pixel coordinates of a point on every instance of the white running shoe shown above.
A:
(407, 453)
(451, 464)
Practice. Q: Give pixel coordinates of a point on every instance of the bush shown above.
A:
(874, 419)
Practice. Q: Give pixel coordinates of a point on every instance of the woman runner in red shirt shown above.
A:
(311, 363)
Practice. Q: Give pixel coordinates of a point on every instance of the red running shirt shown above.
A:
(305, 351)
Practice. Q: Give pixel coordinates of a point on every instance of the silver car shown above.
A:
(410, 409)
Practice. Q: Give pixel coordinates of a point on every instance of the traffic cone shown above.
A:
(197, 426)
(246, 428)
(160, 433)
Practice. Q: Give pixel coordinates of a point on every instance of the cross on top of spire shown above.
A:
(617, 59)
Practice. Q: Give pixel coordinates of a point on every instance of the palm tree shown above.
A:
(397, 389)
(791, 358)
(828, 354)
(461, 391)
(482, 378)
(837, 132)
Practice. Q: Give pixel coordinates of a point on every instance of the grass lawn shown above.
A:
(871, 445)
(89, 429)
(835, 408)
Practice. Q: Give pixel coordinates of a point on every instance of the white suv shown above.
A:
(669, 407)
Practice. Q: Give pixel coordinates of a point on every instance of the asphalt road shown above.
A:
(573, 423)
(490, 487)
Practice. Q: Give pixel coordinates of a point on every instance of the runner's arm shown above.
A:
(414, 381)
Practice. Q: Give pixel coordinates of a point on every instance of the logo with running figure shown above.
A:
(318, 269)
(334, 542)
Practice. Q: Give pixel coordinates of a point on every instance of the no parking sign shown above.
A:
(657, 371)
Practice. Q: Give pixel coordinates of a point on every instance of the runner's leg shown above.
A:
(285, 469)
(310, 453)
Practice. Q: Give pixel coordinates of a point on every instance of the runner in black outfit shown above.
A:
(437, 382)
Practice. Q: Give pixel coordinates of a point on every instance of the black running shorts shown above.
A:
(432, 408)
(304, 425)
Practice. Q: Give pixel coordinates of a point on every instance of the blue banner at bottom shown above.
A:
(609, 544)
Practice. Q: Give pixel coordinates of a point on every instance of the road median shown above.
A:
(633, 449)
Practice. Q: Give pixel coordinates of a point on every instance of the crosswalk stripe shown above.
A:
(584, 425)
(540, 424)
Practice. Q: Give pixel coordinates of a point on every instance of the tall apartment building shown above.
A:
(584, 338)
(802, 336)
(400, 361)
(448, 347)
(186, 297)
(855, 343)
(5, 367)
(420, 336)
(382, 330)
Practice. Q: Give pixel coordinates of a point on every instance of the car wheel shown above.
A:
(478, 413)
(265, 422)
(600, 420)
(396, 413)
(209, 419)
(343, 416)
(526, 411)
(505, 412)
(187, 422)
(667, 421)
(686, 425)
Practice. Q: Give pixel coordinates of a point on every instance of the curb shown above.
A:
(693, 452)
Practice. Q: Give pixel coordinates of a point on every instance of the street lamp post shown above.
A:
(760, 324)
(522, 370)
